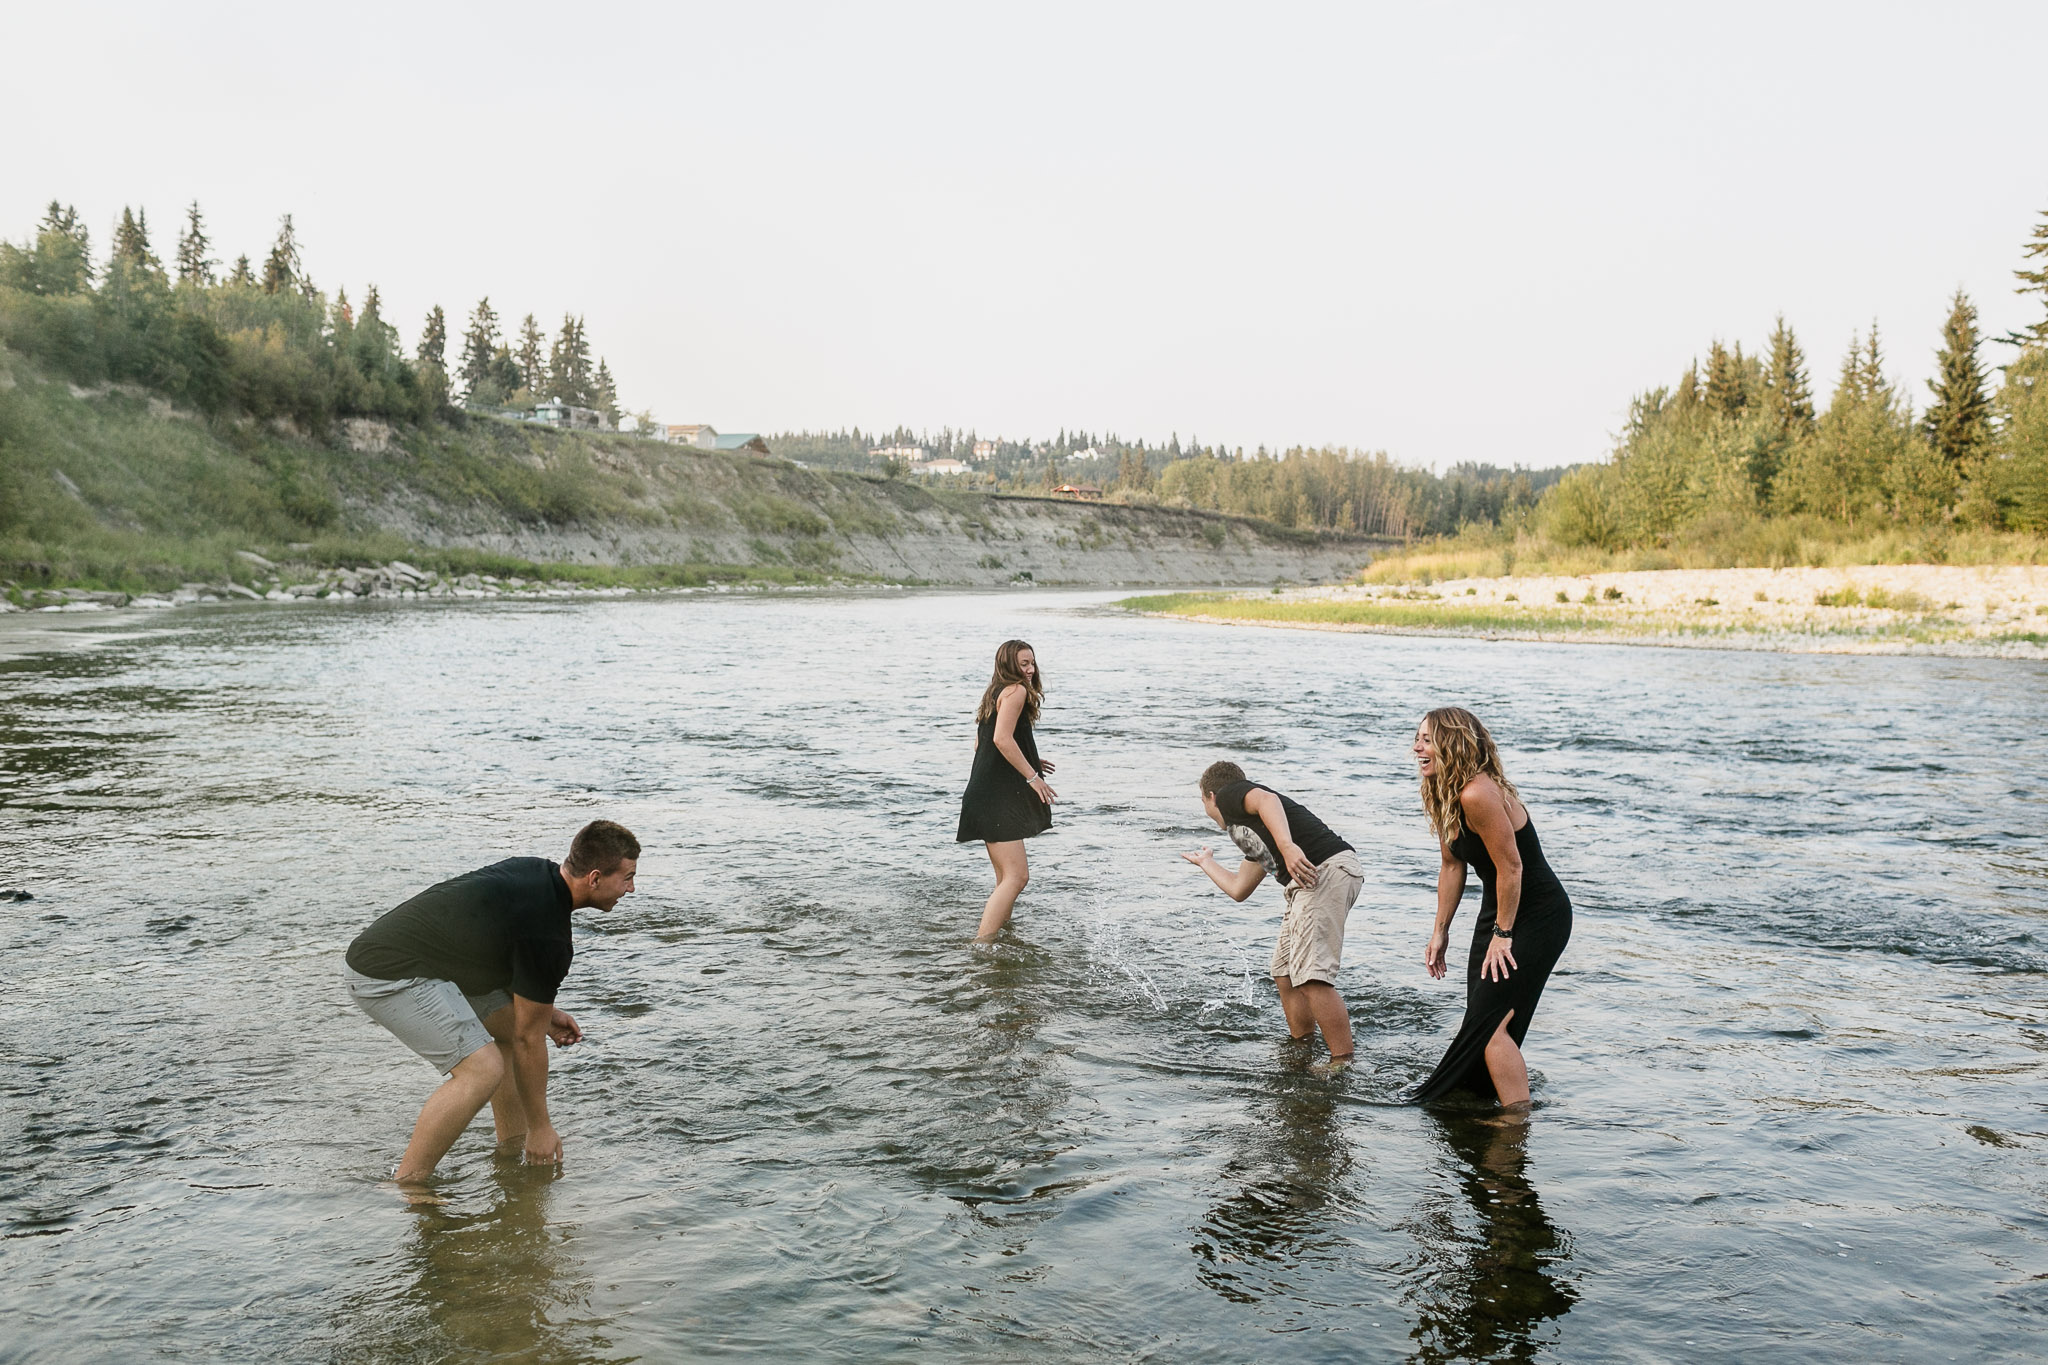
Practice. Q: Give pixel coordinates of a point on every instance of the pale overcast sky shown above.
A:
(1450, 232)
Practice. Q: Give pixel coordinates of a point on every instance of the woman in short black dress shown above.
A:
(1525, 917)
(1007, 798)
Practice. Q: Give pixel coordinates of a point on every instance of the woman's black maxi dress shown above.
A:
(999, 805)
(1543, 925)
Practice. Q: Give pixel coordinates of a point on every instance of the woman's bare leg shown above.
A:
(1504, 1063)
(1011, 875)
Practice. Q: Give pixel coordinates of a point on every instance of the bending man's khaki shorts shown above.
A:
(1312, 932)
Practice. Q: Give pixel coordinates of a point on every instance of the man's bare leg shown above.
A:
(1012, 872)
(1301, 1025)
(508, 1114)
(1505, 1065)
(448, 1111)
(1330, 1015)
(1316, 1005)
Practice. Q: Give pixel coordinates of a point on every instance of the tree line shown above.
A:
(1313, 489)
(263, 338)
(1743, 439)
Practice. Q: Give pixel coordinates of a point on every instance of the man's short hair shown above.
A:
(1219, 775)
(600, 847)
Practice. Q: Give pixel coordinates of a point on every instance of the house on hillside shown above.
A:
(1080, 492)
(703, 437)
(909, 454)
(555, 413)
(746, 441)
(940, 467)
(984, 450)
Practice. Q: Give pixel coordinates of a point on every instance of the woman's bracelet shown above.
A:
(1499, 932)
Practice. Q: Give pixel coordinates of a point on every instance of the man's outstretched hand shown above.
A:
(564, 1030)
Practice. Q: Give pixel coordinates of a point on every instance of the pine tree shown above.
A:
(569, 377)
(282, 269)
(533, 357)
(1725, 393)
(479, 345)
(2031, 282)
(195, 267)
(433, 348)
(344, 316)
(1788, 395)
(242, 274)
(1958, 425)
(607, 393)
(131, 243)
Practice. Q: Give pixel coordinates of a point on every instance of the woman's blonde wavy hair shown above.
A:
(1464, 750)
(1007, 672)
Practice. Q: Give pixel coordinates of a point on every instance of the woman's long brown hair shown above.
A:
(1464, 750)
(1008, 672)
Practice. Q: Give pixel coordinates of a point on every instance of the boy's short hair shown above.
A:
(600, 847)
(1219, 775)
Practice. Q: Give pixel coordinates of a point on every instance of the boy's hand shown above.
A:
(1200, 856)
(1298, 865)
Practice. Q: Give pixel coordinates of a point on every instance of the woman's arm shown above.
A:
(1009, 706)
(1236, 885)
(1450, 889)
(1486, 814)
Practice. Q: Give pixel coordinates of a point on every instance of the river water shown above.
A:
(1790, 1075)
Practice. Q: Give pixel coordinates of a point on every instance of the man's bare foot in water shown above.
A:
(1330, 1070)
(417, 1195)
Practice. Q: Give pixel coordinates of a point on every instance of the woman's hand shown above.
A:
(1042, 790)
(1045, 765)
(1200, 856)
(1433, 952)
(1500, 959)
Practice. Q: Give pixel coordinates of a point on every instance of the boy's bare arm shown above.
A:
(1236, 885)
(1267, 807)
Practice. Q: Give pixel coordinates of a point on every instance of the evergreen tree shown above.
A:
(344, 316)
(479, 346)
(2031, 282)
(131, 244)
(1958, 424)
(433, 348)
(1788, 395)
(1725, 390)
(569, 376)
(195, 267)
(282, 268)
(242, 274)
(1688, 396)
(533, 357)
(607, 392)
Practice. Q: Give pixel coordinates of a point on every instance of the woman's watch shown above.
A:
(1499, 932)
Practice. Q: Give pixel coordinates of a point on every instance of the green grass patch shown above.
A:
(1403, 614)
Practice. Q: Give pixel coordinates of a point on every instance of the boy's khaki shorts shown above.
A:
(1311, 941)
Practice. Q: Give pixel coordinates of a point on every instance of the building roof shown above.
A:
(742, 440)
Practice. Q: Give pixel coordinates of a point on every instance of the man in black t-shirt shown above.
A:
(466, 973)
(1321, 875)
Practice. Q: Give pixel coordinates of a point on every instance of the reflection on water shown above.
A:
(1490, 1281)
(1274, 1232)
(489, 1277)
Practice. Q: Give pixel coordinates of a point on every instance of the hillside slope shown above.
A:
(113, 487)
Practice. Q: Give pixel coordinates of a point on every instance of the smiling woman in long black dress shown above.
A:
(1007, 799)
(1525, 917)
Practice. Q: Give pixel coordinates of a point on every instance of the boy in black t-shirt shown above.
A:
(1321, 875)
(466, 973)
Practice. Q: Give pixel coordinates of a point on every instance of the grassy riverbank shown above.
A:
(1917, 608)
(112, 487)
